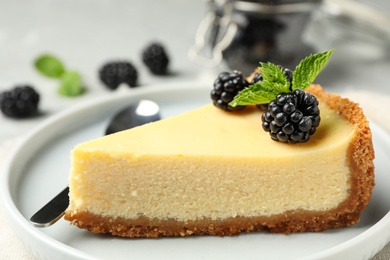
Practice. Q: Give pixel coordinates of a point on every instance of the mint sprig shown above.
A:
(275, 81)
(70, 81)
(273, 73)
(308, 69)
(259, 93)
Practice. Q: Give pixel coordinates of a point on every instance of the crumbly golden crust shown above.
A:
(360, 154)
(285, 223)
(361, 150)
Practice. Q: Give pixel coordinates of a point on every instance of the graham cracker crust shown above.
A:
(153, 228)
(361, 150)
(360, 154)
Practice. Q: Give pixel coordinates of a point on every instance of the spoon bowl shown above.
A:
(139, 113)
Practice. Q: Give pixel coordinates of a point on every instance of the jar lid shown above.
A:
(270, 6)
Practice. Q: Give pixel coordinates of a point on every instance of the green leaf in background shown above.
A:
(71, 84)
(309, 68)
(49, 66)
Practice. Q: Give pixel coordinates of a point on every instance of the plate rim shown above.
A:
(21, 224)
(13, 215)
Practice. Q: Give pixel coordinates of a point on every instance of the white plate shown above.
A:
(38, 169)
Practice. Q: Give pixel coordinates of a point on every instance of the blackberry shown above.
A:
(289, 75)
(19, 102)
(112, 74)
(256, 78)
(155, 58)
(226, 87)
(292, 117)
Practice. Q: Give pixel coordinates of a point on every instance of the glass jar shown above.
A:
(244, 33)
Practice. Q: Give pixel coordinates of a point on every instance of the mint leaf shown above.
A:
(71, 84)
(273, 73)
(49, 66)
(308, 69)
(259, 93)
(274, 82)
(70, 81)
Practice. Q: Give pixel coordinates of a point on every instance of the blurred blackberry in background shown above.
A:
(19, 102)
(112, 74)
(155, 58)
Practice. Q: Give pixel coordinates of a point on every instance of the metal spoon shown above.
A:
(145, 111)
(138, 113)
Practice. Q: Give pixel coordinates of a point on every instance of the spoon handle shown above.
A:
(52, 211)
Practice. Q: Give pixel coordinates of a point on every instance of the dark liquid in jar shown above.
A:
(275, 38)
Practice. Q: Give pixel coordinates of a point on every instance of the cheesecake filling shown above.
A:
(170, 178)
(189, 196)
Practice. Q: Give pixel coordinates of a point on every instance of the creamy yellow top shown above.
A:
(209, 130)
(208, 163)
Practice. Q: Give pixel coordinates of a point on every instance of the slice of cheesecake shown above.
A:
(213, 172)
